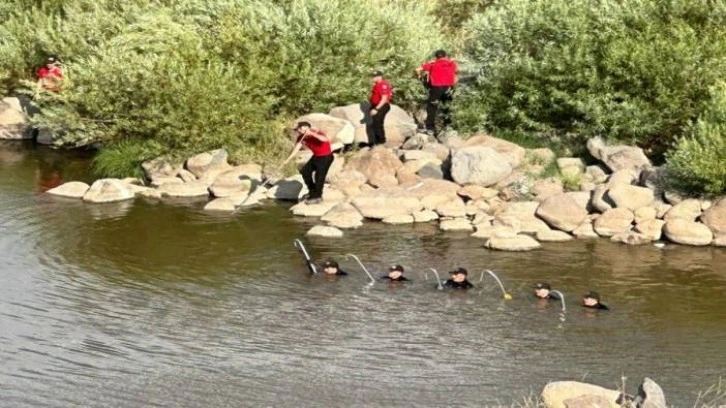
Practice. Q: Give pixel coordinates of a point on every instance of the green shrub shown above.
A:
(635, 71)
(123, 159)
(193, 75)
(698, 162)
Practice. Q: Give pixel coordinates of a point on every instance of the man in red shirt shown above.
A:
(380, 101)
(442, 80)
(50, 75)
(316, 169)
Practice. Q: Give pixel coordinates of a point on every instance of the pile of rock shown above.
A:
(484, 186)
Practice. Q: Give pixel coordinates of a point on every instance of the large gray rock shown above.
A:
(343, 215)
(232, 181)
(562, 212)
(107, 191)
(399, 124)
(193, 189)
(689, 209)
(456, 224)
(618, 157)
(379, 165)
(312, 210)
(630, 197)
(208, 164)
(555, 394)
(650, 395)
(431, 171)
(614, 221)
(517, 243)
(14, 123)
(385, 202)
(72, 189)
(511, 151)
(479, 165)
(683, 231)
(652, 228)
(336, 129)
(715, 218)
(160, 168)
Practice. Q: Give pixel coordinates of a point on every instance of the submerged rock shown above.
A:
(683, 231)
(107, 191)
(220, 205)
(324, 231)
(72, 189)
(516, 243)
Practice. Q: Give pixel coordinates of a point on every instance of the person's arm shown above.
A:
(316, 135)
(456, 73)
(384, 100)
(293, 153)
(422, 68)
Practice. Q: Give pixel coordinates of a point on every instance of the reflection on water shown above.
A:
(145, 304)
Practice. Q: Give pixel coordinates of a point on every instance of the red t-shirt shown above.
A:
(316, 146)
(51, 77)
(379, 90)
(442, 72)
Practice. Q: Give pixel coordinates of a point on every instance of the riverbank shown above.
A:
(512, 198)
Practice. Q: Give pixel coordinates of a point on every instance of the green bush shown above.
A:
(193, 75)
(698, 162)
(636, 71)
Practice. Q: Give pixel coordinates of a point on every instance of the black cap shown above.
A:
(543, 285)
(377, 73)
(592, 294)
(458, 271)
(398, 268)
(330, 264)
(440, 54)
(301, 124)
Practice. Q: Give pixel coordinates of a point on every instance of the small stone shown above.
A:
(324, 231)
(652, 228)
(457, 224)
(631, 238)
(425, 216)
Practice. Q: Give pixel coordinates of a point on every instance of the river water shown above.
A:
(144, 304)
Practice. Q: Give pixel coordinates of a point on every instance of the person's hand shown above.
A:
(374, 111)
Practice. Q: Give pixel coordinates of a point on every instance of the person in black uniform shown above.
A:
(395, 274)
(331, 268)
(542, 291)
(458, 279)
(591, 300)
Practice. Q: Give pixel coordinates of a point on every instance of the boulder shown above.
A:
(618, 157)
(208, 164)
(651, 395)
(324, 231)
(348, 180)
(431, 171)
(630, 197)
(409, 155)
(684, 231)
(715, 218)
(546, 188)
(555, 394)
(14, 123)
(415, 142)
(614, 221)
(71, 189)
(662, 209)
(479, 165)
(425, 216)
(624, 176)
(570, 166)
(561, 211)
(289, 189)
(585, 230)
(385, 202)
(689, 209)
(600, 200)
(160, 181)
(645, 213)
(379, 165)
(456, 224)
(186, 175)
(398, 219)
(516, 243)
(631, 238)
(336, 129)
(193, 189)
(474, 192)
(399, 124)
(107, 191)
(672, 197)
(160, 168)
(442, 152)
(513, 153)
(588, 401)
(553, 236)
(454, 208)
(232, 181)
(651, 228)
(312, 210)
(220, 205)
(486, 231)
(343, 215)
(595, 174)
(583, 199)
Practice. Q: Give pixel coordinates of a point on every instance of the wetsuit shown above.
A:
(341, 273)
(598, 306)
(549, 297)
(399, 279)
(458, 285)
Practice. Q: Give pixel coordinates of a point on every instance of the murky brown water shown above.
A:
(142, 304)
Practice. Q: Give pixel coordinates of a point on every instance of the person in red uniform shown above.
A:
(316, 169)
(380, 101)
(50, 75)
(442, 80)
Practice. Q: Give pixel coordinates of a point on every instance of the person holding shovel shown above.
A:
(316, 169)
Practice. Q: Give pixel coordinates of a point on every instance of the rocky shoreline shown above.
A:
(491, 188)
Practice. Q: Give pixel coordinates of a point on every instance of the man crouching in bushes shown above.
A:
(316, 169)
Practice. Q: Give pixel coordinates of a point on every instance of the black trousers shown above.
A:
(314, 173)
(378, 130)
(439, 99)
